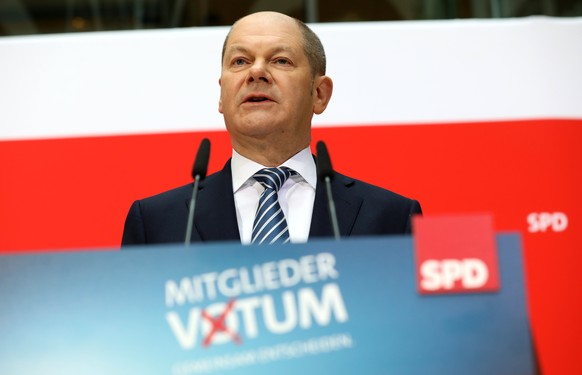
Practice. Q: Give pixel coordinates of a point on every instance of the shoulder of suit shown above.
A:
(176, 194)
(367, 190)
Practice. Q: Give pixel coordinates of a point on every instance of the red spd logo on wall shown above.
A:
(455, 254)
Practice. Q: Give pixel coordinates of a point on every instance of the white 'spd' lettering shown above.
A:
(443, 274)
(542, 221)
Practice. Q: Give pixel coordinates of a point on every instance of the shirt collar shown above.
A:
(302, 162)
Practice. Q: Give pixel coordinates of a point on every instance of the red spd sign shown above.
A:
(455, 254)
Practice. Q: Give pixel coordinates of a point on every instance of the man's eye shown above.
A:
(238, 62)
(282, 61)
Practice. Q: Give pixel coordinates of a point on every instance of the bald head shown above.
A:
(312, 46)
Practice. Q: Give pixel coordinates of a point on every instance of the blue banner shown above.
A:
(322, 307)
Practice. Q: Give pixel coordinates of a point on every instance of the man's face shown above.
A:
(266, 81)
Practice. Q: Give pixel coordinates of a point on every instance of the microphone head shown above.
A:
(201, 162)
(324, 168)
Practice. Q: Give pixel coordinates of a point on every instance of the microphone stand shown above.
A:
(332, 212)
(191, 212)
(198, 173)
(325, 173)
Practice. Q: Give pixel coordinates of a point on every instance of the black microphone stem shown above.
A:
(198, 174)
(325, 174)
(192, 209)
(332, 212)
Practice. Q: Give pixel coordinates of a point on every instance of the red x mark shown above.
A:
(218, 325)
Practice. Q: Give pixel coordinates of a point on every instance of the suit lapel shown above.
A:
(215, 211)
(347, 207)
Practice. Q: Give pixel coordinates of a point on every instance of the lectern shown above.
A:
(325, 307)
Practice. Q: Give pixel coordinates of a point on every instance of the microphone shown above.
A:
(198, 174)
(325, 174)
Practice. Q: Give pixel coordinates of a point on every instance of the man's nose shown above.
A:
(259, 72)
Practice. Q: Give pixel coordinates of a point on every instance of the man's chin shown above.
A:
(258, 124)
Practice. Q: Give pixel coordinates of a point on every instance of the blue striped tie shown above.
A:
(270, 225)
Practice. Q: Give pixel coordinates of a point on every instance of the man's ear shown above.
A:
(220, 98)
(322, 90)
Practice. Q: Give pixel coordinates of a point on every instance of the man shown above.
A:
(272, 83)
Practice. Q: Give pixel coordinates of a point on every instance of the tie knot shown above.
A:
(273, 178)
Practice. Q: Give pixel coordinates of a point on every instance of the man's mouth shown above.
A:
(257, 99)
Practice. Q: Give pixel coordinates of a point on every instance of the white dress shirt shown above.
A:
(296, 196)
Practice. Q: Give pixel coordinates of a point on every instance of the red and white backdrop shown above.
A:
(465, 116)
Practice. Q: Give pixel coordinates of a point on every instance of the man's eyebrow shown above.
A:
(238, 48)
(282, 49)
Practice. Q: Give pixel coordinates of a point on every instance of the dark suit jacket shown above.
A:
(362, 209)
